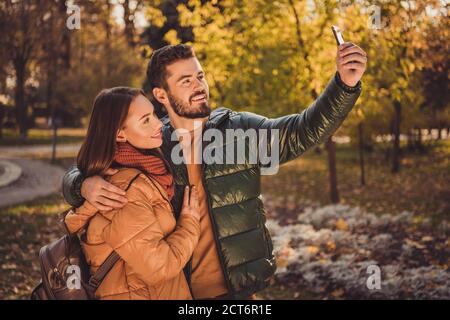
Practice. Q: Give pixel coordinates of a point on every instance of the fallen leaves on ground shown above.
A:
(328, 249)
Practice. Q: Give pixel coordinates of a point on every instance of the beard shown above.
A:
(186, 109)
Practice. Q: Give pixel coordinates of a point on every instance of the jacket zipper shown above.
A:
(222, 264)
(214, 229)
(189, 264)
(216, 239)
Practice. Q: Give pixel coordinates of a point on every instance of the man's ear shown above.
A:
(160, 95)
(121, 137)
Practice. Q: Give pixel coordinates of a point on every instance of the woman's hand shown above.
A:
(190, 202)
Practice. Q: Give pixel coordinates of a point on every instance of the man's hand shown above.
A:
(101, 194)
(351, 63)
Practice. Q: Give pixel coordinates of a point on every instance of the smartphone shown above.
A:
(337, 35)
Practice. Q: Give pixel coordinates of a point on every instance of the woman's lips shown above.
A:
(157, 135)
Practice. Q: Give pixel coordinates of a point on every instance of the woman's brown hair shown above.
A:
(109, 112)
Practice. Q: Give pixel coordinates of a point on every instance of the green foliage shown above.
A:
(269, 57)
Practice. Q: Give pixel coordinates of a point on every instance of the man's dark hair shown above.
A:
(157, 72)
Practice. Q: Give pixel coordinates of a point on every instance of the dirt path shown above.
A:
(38, 179)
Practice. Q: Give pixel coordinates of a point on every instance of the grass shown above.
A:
(421, 186)
(24, 229)
(278, 291)
(42, 136)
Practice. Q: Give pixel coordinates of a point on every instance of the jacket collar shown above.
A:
(216, 117)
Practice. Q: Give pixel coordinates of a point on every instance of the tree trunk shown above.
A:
(361, 152)
(52, 64)
(2, 117)
(396, 140)
(418, 140)
(66, 46)
(129, 24)
(330, 145)
(410, 141)
(19, 98)
(107, 44)
(439, 137)
(331, 148)
(52, 108)
(54, 140)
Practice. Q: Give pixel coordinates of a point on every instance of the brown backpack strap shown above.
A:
(103, 270)
(97, 278)
(62, 217)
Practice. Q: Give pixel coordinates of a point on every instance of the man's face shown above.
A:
(188, 91)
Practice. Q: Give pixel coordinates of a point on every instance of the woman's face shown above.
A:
(142, 128)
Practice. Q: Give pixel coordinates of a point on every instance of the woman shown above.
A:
(154, 247)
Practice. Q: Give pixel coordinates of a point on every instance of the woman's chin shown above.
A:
(154, 143)
(160, 142)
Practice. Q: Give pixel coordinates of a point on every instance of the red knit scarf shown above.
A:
(128, 156)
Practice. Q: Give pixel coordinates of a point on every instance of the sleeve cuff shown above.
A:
(77, 187)
(345, 87)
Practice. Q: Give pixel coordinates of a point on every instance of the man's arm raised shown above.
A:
(299, 132)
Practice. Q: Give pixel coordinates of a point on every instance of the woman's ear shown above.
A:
(160, 95)
(121, 136)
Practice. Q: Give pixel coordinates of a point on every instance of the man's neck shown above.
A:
(194, 129)
(191, 125)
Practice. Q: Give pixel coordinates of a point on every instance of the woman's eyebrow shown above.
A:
(147, 114)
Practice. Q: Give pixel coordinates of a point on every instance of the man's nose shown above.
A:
(198, 85)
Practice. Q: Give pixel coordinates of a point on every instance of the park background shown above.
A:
(376, 193)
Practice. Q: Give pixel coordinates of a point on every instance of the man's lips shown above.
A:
(199, 98)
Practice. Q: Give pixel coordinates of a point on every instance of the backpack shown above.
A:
(65, 274)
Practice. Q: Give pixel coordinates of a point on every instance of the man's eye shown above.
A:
(200, 77)
(186, 81)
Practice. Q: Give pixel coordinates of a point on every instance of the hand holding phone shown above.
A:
(351, 59)
(337, 35)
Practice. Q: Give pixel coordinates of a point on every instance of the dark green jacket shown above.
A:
(233, 190)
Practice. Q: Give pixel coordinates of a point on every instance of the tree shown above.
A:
(101, 57)
(20, 28)
(165, 18)
(56, 59)
(129, 14)
(435, 73)
(399, 41)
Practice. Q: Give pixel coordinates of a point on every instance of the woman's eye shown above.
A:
(147, 120)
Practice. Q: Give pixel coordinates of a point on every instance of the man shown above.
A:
(234, 257)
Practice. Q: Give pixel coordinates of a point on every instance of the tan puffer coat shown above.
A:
(153, 246)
